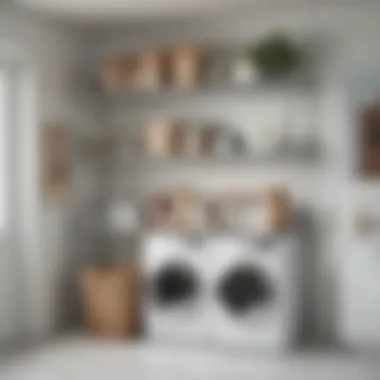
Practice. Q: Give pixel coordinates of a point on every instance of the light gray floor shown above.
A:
(83, 358)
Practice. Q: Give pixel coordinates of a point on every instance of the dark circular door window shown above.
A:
(175, 283)
(243, 288)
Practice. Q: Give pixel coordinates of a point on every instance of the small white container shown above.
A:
(244, 72)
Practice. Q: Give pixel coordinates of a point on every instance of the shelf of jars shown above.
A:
(165, 145)
(185, 210)
(274, 66)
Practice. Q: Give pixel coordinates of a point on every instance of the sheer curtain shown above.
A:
(8, 268)
(20, 259)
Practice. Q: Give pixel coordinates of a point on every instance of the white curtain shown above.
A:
(10, 302)
(21, 263)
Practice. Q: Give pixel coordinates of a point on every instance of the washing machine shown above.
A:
(251, 295)
(173, 301)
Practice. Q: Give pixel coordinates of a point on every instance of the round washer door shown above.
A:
(243, 288)
(174, 284)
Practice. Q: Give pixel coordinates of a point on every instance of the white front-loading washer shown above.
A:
(250, 291)
(173, 301)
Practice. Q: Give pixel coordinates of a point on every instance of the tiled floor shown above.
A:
(81, 358)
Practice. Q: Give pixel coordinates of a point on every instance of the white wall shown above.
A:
(346, 42)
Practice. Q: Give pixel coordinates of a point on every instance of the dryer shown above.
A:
(252, 300)
(173, 299)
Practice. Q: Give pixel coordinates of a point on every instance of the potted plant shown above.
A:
(276, 55)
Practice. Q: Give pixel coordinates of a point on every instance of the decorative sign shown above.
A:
(370, 140)
(55, 160)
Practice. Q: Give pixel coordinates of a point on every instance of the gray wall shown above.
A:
(344, 40)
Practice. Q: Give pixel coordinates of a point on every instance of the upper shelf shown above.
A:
(210, 92)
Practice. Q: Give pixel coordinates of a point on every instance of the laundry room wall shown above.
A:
(342, 41)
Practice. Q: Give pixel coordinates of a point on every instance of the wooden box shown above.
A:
(151, 70)
(187, 66)
(158, 137)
